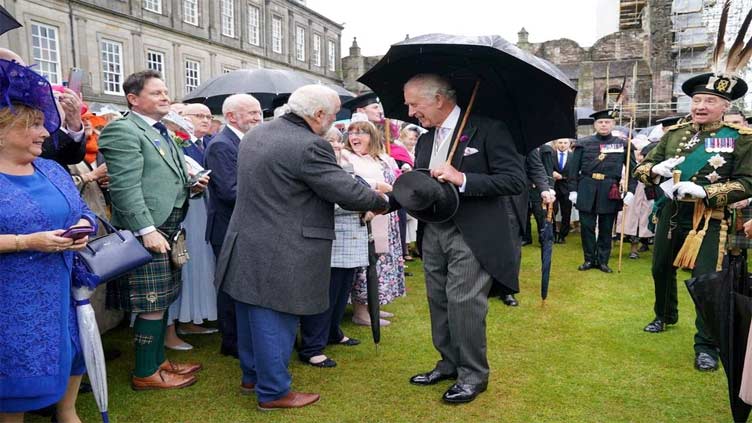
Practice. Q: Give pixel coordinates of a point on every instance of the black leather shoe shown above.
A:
(604, 268)
(323, 364)
(431, 378)
(586, 266)
(656, 326)
(463, 392)
(704, 362)
(509, 300)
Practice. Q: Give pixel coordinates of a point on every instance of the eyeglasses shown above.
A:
(358, 133)
(200, 116)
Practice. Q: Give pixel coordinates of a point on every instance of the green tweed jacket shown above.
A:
(148, 178)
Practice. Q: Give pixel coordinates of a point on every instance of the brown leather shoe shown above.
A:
(291, 400)
(248, 388)
(162, 379)
(180, 368)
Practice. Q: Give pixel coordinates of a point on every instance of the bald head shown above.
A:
(10, 55)
(200, 116)
(242, 112)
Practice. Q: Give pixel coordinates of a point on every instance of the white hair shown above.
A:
(235, 101)
(333, 133)
(281, 110)
(307, 100)
(431, 84)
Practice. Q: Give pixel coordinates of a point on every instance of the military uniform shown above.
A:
(595, 174)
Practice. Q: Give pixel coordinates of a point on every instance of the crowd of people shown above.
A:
(275, 220)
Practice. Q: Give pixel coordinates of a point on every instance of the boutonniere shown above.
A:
(464, 138)
(181, 142)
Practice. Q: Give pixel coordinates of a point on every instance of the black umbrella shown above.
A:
(582, 115)
(7, 21)
(722, 299)
(547, 242)
(372, 288)
(533, 97)
(264, 84)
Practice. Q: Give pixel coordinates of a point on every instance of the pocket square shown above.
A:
(469, 151)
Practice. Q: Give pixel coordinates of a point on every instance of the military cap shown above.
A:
(729, 88)
(668, 121)
(605, 114)
(362, 100)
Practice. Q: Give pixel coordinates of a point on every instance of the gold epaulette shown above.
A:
(743, 130)
(678, 125)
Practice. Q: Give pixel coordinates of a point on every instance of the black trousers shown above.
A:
(562, 203)
(514, 230)
(596, 252)
(534, 208)
(226, 315)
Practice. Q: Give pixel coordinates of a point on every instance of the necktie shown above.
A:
(561, 160)
(163, 131)
(442, 133)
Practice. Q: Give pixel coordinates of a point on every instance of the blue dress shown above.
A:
(38, 352)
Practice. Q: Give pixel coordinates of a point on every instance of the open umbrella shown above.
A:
(84, 284)
(722, 299)
(582, 115)
(547, 242)
(533, 97)
(264, 84)
(372, 288)
(7, 21)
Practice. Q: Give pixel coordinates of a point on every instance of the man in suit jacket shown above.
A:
(242, 113)
(275, 261)
(463, 255)
(200, 117)
(560, 161)
(149, 190)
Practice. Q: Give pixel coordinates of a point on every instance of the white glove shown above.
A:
(689, 188)
(573, 197)
(548, 197)
(665, 167)
(628, 199)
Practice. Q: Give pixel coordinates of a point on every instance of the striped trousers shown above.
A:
(457, 289)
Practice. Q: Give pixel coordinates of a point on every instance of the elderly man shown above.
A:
(715, 161)
(242, 113)
(463, 255)
(149, 190)
(276, 255)
(200, 117)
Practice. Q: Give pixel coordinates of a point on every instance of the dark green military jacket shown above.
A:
(595, 166)
(727, 175)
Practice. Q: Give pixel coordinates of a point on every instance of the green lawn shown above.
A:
(581, 358)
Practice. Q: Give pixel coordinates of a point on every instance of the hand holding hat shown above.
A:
(447, 173)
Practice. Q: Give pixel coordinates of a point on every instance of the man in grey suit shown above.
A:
(462, 256)
(288, 183)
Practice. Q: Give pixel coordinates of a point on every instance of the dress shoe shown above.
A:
(605, 269)
(362, 322)
(634, 256)
(350, 342)
(183, 346)
(704, 362)
(586, 266)
(463, 392)
(180, 368)
(247, 388)
(656, 326)
(231, 351)
(199, 331)
(643, 248)
(509, 300)
(291, 400)
(431, 378)
(162, 379)
(326, 363)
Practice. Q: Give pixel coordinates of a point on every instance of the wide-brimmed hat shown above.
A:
(21, 85)
(425, 198)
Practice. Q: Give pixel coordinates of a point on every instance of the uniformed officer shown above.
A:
(594, 188)
(714, 161)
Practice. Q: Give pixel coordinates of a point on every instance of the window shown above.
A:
(228, 18)
(254, 25)
(45, 51)
(155, 61)
(192, 75)
(190, 12)
(332, 51)
(316, 49)
(153, 6)
(112, 66)
(300, 43)
(276, 34)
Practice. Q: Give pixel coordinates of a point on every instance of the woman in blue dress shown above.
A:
(40, 359)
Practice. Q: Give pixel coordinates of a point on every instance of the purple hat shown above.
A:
(21, 85)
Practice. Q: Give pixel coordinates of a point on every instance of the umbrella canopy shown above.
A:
(547, 242)
(582, 115)
(723, 301)
(7, 21)
(533, 97)
(264, 84)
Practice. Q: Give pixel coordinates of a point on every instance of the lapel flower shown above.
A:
(464, 138)
(717, 161)
(180, 142)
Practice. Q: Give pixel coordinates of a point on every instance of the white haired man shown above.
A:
(242, 113)
(277, 267)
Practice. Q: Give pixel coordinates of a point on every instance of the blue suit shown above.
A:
(221, 156)
(195, 151)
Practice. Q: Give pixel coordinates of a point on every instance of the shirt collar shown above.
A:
(146, 119)
(451, 121)
(237, 131)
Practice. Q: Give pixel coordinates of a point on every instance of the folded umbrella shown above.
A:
(372, 288)
(547, 241)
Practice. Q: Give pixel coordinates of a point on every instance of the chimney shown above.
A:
(522, 36)
(354, 49)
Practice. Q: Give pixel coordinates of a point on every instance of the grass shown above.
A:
(583, 357)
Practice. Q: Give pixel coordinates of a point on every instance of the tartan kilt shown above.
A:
(153, 286)
(738, 239)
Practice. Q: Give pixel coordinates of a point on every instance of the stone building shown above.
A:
(189, 41)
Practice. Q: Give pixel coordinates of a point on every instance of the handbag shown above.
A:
(178, 248)
(114, 254)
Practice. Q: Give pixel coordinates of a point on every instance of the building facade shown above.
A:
(188, 41)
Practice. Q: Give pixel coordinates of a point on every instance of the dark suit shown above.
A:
(196, 150)
(275, 261)
(62, 148)
(222, 158)
(463, 255)
(562, 194)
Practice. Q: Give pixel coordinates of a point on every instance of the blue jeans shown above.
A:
(265, 341)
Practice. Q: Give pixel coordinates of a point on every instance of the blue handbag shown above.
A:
(115, 254)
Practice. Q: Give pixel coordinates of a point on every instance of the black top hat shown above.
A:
(605, 114)
(362, 100)
(668, 121)
(425, 198)
(729, 88)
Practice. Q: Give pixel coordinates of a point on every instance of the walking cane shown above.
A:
(626, 174)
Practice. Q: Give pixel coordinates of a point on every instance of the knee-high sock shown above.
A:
(160, 352)
(147, 341)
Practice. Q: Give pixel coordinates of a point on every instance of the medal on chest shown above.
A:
(719, 145)
(608, 149)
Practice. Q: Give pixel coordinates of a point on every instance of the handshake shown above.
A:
(381, 188)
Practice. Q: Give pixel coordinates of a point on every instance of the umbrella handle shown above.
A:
(549, 213)
(464, 121)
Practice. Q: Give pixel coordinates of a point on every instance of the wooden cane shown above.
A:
(626, 174)
(464, 121)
